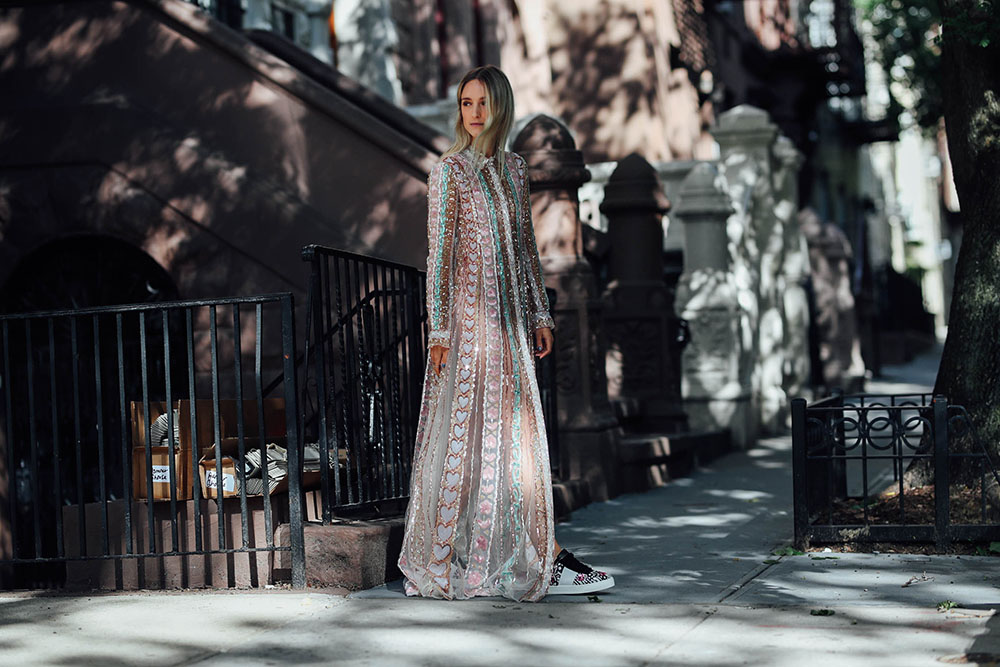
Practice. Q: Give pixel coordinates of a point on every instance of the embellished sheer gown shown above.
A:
(480, 519)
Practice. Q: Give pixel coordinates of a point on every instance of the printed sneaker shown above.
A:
(571, 577)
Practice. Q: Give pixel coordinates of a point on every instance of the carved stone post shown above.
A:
(716, 393)
(794, 270)
(588, 430)
(638, 306)
(746, 136)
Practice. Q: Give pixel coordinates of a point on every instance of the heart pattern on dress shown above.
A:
(441, 551)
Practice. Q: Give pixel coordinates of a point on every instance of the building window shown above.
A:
(283, 22)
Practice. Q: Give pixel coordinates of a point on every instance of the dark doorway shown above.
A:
(77, 274)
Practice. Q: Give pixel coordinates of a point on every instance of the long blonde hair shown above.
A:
(499, 104)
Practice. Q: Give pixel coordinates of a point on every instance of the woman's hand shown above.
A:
(543, 341)
(439, 357)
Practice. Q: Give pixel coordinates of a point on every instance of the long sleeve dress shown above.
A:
(479, 521)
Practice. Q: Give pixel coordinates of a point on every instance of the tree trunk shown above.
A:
(969, 374)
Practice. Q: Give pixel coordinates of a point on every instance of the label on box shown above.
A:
(161, 474)
(228, 481)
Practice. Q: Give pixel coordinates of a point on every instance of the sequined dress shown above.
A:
(479, 521)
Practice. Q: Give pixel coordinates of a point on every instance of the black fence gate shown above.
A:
(121, 427)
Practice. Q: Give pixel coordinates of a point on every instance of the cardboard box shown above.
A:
(204, 412)
(162, 482)
(183, 451)
(209, 478)
(204, 415)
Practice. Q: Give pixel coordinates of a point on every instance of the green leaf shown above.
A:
(771, 561)
(995, 547)
(945, 605)
(821, 612)
(788, 551)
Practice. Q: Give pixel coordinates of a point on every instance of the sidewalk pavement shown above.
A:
(693, 589)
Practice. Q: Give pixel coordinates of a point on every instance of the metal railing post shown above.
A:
(295, 499)
(942, 522)
(799, 479)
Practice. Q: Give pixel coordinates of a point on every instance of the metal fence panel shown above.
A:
(366, 348)
(102, 428)
(850, 455)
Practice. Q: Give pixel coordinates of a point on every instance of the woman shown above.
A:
(480, 518)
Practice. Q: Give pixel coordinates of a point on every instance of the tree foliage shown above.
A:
(909, 34)
(906, 33)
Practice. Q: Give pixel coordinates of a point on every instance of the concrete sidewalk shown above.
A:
(698, 585)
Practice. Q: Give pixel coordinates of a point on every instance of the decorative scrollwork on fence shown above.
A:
(879, 427)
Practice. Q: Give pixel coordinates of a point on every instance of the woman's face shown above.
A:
(473, 104)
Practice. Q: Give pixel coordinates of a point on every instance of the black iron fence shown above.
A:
(366, 352)
(138, 437)
(850, 459)
(121, 427)
(365, 348)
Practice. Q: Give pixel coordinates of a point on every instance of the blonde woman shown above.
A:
(480, 517)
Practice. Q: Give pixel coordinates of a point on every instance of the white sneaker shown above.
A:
(571, 577)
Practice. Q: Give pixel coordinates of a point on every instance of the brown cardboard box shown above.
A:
(209, 472)
(204, 417)
(184, 449)
(161, 473)
(274, 428)
(229, 449)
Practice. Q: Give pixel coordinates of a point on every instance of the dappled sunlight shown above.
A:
(313, 628)
(739, 494)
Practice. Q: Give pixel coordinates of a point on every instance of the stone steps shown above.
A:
(651, 460)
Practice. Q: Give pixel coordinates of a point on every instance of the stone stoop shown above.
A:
(651, 460)
(353, 555)
(570, 495)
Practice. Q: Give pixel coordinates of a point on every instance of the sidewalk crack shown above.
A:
(666, 647)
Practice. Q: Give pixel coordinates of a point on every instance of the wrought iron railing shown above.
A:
(365, 348)
(118, 423)
(366, 354)
(850, 458)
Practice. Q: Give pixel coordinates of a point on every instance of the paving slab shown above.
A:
(875, 579)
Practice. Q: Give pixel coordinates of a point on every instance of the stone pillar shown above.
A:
(794, 271)
(716, 392)
(588, 430)
(835, 320)
(638, 307)
(746, 136)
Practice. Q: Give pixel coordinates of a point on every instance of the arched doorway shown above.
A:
(54, 445)
(84, 272)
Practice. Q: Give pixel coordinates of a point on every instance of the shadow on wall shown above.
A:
(609, 87)
(153, 124)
